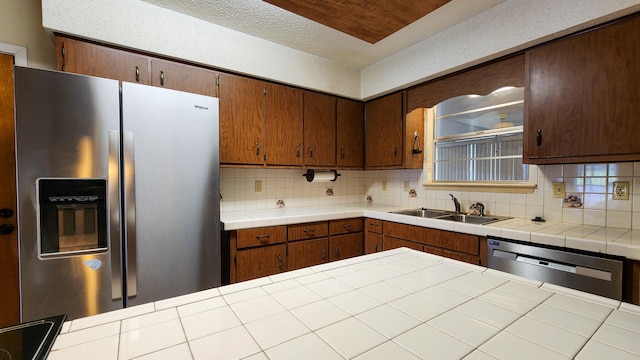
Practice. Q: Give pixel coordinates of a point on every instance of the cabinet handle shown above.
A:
(376, 247)
(137, 74)
(161, 78)
(335, 251)
(6, 229)
(257, 149)
(279, 261)
(323, 253)
(395, 151)
(6, 213)
(263, 238)
(539, 137)
(310, 151)
(346, 226)
(297, 150)
(342, 153)
(309, 232)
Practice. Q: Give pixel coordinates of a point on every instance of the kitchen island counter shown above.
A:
(397, 304)
(606, 240)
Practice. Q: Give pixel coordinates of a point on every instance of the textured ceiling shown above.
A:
(269, 22)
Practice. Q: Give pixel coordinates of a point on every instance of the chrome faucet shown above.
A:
(480, 207)
(455, 203)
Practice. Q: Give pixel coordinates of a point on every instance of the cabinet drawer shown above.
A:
(308, 231)
(345, 226)
(374, 225)
(262, 236)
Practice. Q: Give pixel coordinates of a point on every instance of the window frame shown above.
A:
(525, 186)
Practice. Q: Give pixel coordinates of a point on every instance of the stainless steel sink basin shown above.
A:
(427, 213)
(451, 216)
(472, 219)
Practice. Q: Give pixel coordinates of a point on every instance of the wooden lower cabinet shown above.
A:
(307, 253)
(345, 246)
(261, 261)
(391, 242)
(373, 236)
(271, 250)
(458, 246)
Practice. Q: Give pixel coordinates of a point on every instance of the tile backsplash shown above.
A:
(592, 184)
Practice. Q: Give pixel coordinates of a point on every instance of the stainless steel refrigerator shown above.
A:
(118, 193)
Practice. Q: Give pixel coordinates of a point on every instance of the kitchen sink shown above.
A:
(472, 219)
(451, 216)
(428, 213)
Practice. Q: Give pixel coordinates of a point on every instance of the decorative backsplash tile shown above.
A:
(588, 200)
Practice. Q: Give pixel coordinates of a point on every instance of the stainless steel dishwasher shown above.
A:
(595, 273)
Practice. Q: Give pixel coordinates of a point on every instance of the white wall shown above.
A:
(21, 25)
(591, 182)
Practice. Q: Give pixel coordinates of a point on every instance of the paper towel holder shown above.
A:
(311, 175)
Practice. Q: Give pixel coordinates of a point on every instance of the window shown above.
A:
(479, 139)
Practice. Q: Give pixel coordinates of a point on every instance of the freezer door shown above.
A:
(171, 192)
(63, 127)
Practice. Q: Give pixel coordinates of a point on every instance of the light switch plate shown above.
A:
(558, 189)
(258, 185)
(406, 186)
(384, 185)
(620, 190)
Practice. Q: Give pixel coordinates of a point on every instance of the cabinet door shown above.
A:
(9, 273)
(261, 261)
(241, 120)
(307, 253)
(284, 125)
(345, 246)
(176, 76)
(383, 135)
(89, 59)
(319, 129)
(581, 100)
(349, 133)
(372, 242)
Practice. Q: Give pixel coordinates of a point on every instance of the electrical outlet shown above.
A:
(384, 185)
(258, 185)
(621, 190)
(406, 186)
(558, 189)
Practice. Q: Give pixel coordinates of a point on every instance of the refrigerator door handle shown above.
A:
(130, 214)
(114, 214)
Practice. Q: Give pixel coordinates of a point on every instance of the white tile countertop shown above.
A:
(614, 241)
(396, 304)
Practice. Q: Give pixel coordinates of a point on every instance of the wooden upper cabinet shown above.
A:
(177, 76)
(349, 133)
(241, 120)
(384, 119)
(95, 60)
(319, 129)
(581, 98)
(284, 113)
(414, 139)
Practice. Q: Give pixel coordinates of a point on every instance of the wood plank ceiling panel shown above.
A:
(368, 20)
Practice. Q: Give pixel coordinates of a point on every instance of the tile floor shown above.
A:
(398, 304)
